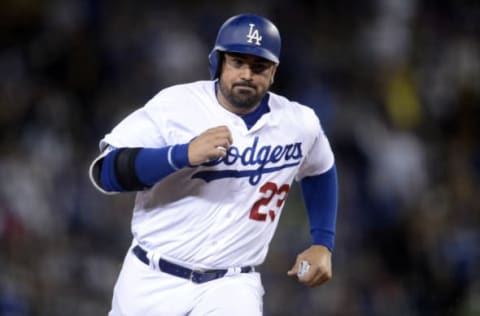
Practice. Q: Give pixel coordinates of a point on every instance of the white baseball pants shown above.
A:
(141, 290)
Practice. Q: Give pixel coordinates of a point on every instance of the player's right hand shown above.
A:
(209, 145)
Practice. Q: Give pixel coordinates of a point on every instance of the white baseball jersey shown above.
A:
(225, 212)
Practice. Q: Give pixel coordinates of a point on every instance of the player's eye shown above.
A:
(259, 67)
(237, 62)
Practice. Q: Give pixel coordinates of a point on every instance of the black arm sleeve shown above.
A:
(124, 168)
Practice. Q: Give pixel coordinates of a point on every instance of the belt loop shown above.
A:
(234, 270)
(154, 258)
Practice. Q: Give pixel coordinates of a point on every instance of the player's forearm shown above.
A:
(134, 169)
(321, 200)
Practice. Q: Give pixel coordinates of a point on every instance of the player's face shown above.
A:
(244, 80)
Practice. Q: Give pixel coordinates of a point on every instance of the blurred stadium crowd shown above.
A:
(396, 84)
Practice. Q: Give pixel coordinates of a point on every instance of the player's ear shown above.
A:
(274, 71)
(221, 60)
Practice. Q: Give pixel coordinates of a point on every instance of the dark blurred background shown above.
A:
(396, 84)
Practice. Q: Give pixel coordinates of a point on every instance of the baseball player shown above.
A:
(212, 163)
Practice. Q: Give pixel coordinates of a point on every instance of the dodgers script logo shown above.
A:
(261, 160)
(254, 34)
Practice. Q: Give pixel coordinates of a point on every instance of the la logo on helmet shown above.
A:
(253, 34)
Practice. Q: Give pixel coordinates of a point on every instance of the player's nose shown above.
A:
(246, 72)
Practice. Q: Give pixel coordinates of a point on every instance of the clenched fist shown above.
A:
(209, 145)
(320, 271)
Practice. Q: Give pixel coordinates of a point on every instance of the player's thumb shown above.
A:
(293, 270)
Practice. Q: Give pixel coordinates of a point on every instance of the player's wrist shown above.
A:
(323, 238)
(179, 156)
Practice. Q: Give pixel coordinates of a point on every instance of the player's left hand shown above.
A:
(320, 271)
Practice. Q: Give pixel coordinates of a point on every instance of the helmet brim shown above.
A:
(249, 50)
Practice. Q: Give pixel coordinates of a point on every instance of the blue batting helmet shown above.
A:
(246, 34)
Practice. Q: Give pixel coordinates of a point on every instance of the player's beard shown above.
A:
(242, 95)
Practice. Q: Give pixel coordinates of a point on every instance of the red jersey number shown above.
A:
(270, 192)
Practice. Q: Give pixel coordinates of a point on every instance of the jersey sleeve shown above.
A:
(94, 170)
(319, 158)
(136, 130)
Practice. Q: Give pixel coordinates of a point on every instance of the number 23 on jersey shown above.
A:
(271, 201)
